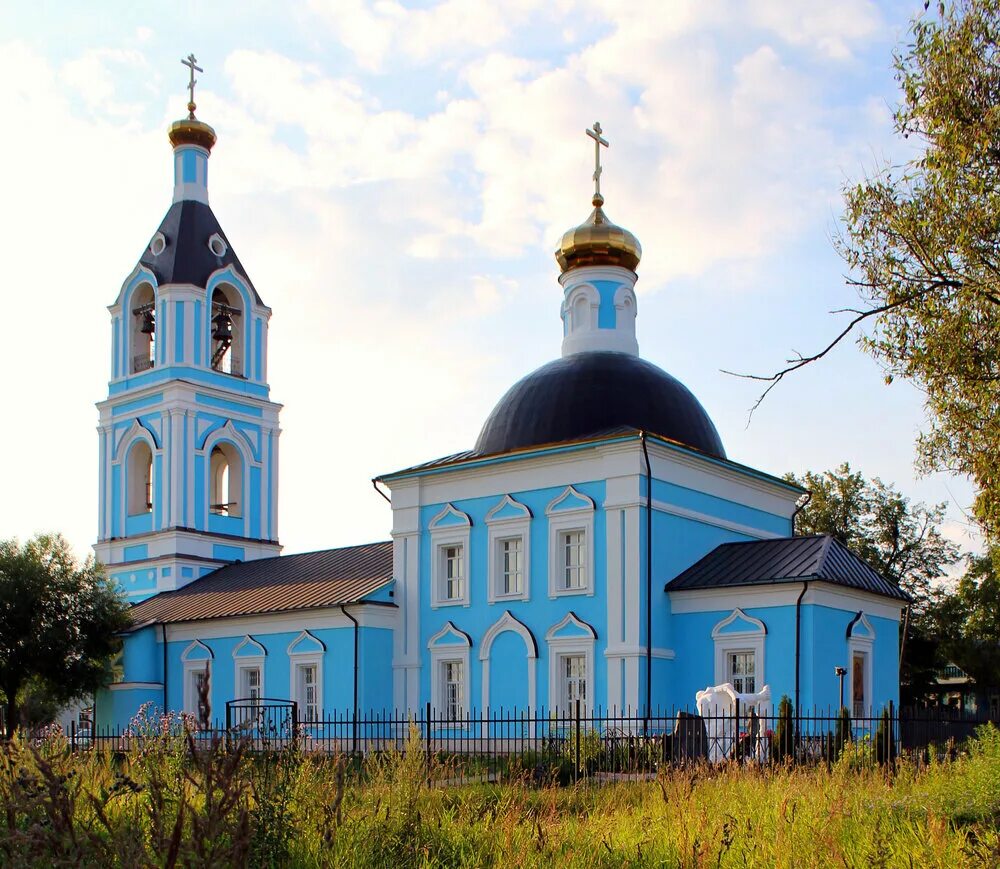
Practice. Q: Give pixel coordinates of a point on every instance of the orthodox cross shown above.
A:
(191, 62)
(595, 134)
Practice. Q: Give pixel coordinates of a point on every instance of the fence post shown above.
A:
(72, 734)
(576, 772)
(890, 749)
(427, 741)
(736, 730)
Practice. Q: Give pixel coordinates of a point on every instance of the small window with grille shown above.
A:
(741, 671)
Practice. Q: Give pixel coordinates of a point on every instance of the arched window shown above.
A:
(581, 312)
(225, 480)
(142, 329)
(140, 479)
(227, 331)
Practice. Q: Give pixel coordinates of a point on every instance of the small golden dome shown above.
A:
(598, 242)
(191, 131)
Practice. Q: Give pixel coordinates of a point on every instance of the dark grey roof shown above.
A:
(819, 557)
(267, 585)
(187, 259)
(579, 395)
(473, 455)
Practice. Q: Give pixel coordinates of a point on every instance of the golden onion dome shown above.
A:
(191, 131)
(598, 242)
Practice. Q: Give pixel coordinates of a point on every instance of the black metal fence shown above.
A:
(569, 745)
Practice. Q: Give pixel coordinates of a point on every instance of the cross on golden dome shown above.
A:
(595, 134)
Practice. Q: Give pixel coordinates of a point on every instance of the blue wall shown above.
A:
(823, 646)
(539, 613)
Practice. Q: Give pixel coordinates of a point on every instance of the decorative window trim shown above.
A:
(442, 653)
(192, 665)
(306, 657)
(247, 662)
(217, 245)
(454, 534)
(507, 622)
(562, 647)
(864, 646)
(578, 518)
(157, 244)
(750, 640)
(505, 529)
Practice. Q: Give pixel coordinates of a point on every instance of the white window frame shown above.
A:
(443, 710)
(864, 646)
(561, 521)
(248, 662)
(730, 676)
(457, 650)
(500, 530)
(560, 648)
(191, 666)
(296, 659)
(750, 639)
(442, 537)
(299, 664)
(564, 680)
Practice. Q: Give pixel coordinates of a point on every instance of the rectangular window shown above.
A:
(574, 673)
(198, 678)
(511, 566)
(308, 688)
(858, 686)
(452, 689)
(573, 553)
(453, 572)
(250, 677)
(742, 671)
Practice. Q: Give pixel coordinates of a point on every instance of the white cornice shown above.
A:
(819, 593)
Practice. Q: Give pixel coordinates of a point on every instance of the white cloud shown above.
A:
(405, 251)
(830, 28)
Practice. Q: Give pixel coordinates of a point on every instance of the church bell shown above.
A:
(222, 327)
(148, 324)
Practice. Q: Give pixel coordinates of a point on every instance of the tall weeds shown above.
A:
(170, 799)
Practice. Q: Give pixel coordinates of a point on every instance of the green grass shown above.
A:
(164, 804)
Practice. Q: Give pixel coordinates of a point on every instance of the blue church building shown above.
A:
(596, 543)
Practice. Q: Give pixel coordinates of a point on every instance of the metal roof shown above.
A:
(472, 457)
(187, 258)
(818, 557)
(577, 395)
(268, 585)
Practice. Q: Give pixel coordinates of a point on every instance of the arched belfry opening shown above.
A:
(142, 330)
(227, 328)
(141, 487)
(225, 480)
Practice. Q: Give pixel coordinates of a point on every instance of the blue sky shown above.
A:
(395, 177)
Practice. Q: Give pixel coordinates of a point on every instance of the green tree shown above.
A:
(968, 621)
(783, 739)
(59, 622)
(901, 540)
(922, 243)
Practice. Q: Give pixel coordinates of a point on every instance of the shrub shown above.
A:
(885, 740)
(843, 734)
(783, 739)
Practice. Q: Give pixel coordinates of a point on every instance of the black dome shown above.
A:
(588, 393)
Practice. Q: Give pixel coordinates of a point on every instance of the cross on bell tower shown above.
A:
(191, 62)
(188, 433)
